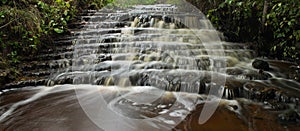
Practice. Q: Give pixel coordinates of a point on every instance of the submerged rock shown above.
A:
(233, 88)
(260, 64)
(260, 92)
(261, 75)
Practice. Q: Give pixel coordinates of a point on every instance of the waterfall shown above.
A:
(150, 67)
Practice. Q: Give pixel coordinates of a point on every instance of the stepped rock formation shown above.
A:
(126, 56)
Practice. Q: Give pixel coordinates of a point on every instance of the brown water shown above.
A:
(57, 108)
(151, 68)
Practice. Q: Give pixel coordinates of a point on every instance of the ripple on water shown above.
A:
(49, 105)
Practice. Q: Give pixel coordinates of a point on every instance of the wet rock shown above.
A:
(139, 24)
(289, 116)
(144, 18)
(261, 75)
(234, 71)
(274, 104)
(233, 88)
(141, 79)
(104, 57)
(146, 24)
(231, 61)
(277, 96)
(294, 73)
(159, 65)
(166, 19)
(63, 80)
(226, 119)
(260, 64)
(25, 83)
(268, 93)
(170, 81)
(259, 91)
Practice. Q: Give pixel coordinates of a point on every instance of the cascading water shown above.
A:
(153, 67)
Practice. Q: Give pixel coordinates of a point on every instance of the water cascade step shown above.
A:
(145, 49)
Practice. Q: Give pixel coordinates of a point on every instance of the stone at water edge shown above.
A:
(260, 64)
(261, 75)
(289, 116)
(294, 73)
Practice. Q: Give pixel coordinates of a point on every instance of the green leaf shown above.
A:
(222, 5)
(239, 3)
(282, 43)
(280, 35)
(33, 46)
(59, 31)
(66, 12)
(68, 4)
(274, 48)
(68, 18)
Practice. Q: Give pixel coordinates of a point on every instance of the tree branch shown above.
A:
(8, 23)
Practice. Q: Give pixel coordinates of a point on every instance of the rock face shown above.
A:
(260, 64)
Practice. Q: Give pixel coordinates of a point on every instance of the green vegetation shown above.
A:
(275, 30)
(272, 26)
(283, 20)
(25, 24)
(28, 25)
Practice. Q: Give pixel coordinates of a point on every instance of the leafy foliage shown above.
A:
(25, 24)
(283, 19)
(56, 16)
(277, 35)
(28, 25)
(236, 18)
